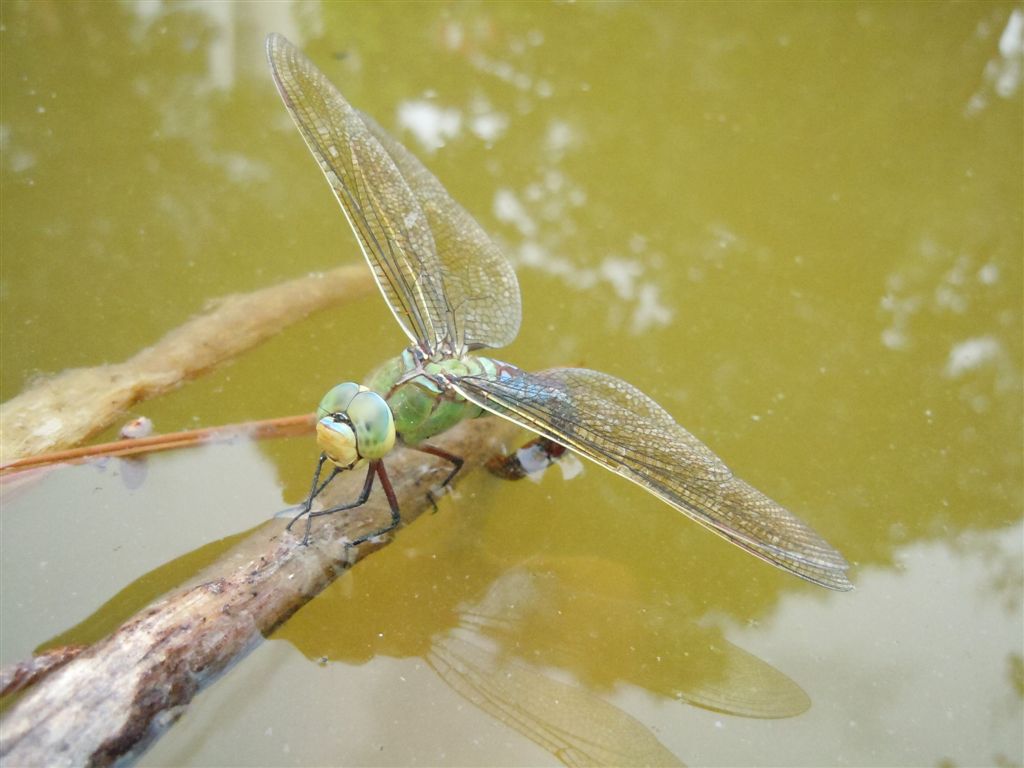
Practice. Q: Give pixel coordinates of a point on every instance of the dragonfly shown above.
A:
(453, 293)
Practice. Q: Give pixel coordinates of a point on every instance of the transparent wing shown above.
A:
(385, 215)
(619, 427)
(466, 298)
(478, 280)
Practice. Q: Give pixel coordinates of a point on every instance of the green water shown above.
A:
(796, 226)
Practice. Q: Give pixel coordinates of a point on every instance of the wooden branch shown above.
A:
(110, 701)
(62, 411)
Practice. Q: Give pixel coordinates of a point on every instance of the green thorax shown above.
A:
(421, 404)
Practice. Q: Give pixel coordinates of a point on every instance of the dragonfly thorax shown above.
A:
(354, 424)
(420, 393)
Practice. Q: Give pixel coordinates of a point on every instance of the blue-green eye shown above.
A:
(337, 399)
(355, 423)
(373, 424)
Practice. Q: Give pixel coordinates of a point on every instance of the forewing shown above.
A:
(619, 427)
(392, 228)
(480, 283)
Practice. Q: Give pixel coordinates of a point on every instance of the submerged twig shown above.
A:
(63, 410)
(286, 426)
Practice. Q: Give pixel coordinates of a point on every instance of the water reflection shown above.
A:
(936, 634)
(537, 643)
(824, 223)
(942, 642)
(1003, 72)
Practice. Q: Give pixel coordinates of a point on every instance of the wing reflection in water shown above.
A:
(572, 724)
(550, 613)
(542, 645)
(569, 721)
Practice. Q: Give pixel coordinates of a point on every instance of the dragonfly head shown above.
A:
(355, 423)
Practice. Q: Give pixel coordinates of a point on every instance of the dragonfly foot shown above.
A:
(433, 500)
(374, 534)
(309, 520)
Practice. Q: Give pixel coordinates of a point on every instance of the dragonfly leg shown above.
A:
(456, 461)
(314, 490)
(385, 483)
(364, 494)
(375, 469)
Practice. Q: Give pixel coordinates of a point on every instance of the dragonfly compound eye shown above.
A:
(373, 424)
(337, 399)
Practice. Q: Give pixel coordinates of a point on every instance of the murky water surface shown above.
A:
(798, 227)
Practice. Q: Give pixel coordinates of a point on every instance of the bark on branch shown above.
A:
(110, 701)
